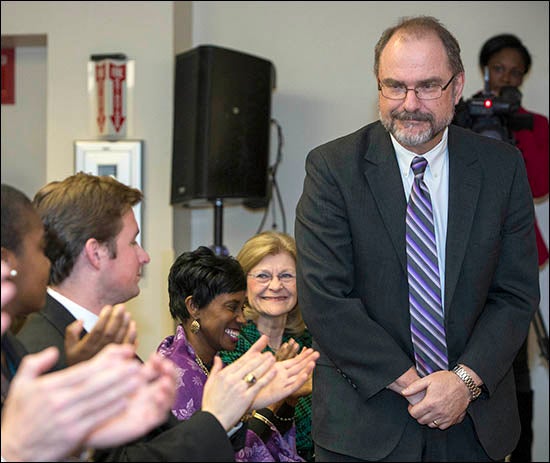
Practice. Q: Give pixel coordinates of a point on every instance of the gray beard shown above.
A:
(405, 138)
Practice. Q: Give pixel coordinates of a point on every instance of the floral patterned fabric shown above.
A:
(190, 385)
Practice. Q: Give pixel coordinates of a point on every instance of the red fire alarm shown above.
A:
(8, 76)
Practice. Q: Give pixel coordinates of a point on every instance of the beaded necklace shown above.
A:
(201, 364)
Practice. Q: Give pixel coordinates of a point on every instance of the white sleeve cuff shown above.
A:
(234, 429)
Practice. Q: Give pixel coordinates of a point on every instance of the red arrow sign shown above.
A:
(117, 73)
(100, 79)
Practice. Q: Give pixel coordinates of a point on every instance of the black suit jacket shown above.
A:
(353, 289)
(202, 438)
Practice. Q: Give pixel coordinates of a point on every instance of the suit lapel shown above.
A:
(384, 179)
(464, 188)
(57, 315)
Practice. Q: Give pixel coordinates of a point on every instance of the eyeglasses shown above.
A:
(265, 277)
(427, 91)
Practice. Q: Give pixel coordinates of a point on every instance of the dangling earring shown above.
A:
(195, 326)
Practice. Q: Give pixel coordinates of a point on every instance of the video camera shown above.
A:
(493, 116)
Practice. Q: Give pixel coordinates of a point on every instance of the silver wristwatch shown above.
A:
(474, 389)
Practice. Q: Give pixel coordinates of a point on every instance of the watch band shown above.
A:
(474, 389)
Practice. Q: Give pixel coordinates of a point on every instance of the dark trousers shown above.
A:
(421, 443)
(524, 394)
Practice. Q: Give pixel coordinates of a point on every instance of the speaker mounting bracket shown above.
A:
(218, 246)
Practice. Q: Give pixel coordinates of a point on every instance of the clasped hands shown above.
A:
(438, 400)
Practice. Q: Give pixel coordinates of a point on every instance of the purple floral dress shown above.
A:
(189, 389)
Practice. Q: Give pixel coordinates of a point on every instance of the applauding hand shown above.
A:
(115, 325)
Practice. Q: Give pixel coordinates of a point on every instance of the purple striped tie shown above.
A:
(427, 327)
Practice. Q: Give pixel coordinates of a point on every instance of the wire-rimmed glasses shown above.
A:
(428, 91)
(264, 278)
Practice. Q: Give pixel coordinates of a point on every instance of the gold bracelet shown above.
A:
(246, 417)
(263, 419)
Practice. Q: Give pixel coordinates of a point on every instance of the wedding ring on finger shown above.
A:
(249, 379)
(435, 422)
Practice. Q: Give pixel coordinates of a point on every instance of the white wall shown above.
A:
(24, 123)
(323, 54)
(144, 32)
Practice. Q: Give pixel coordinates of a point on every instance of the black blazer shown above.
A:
(353, 289)
(201, 438)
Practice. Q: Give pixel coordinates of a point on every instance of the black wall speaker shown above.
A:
(222, 123)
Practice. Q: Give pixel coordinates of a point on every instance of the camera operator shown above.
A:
(508, 61)
(505, 61)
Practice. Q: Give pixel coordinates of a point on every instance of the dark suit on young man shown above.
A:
(202, 438)
(353, 289)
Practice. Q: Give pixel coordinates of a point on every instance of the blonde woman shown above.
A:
(271, 308)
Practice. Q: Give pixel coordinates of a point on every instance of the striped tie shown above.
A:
(427, 327)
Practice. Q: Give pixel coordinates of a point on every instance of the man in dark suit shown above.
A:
(374, 397)
(91, 235)
(56, 410)
(83, 231)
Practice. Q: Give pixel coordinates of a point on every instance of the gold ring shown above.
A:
(435, 422)
(250, 379)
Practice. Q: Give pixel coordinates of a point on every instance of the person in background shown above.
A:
(207, 294)
(85, 406)
(508, 61)
(95, 259)
(417, 269)
(271, 308)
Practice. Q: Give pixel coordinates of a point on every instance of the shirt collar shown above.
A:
(76, 310)
(435, 157)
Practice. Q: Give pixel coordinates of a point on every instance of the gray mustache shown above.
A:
(404, 116)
